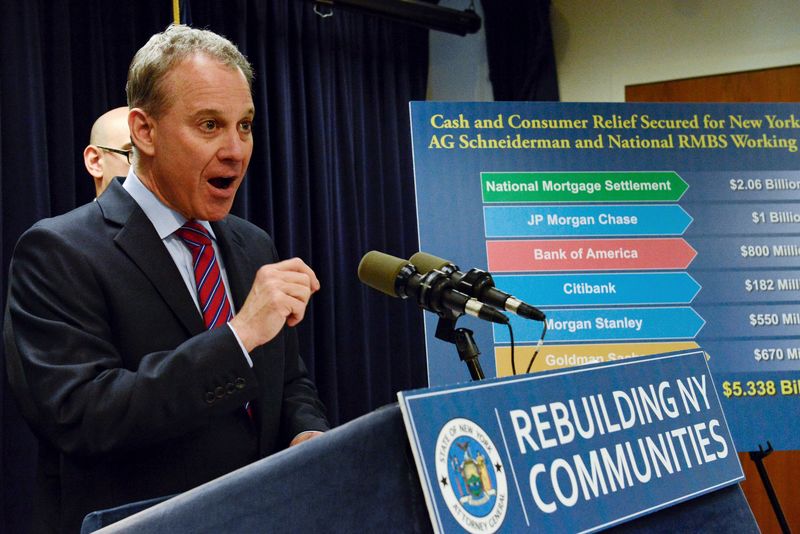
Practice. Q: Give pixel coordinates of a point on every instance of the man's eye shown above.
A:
(246, 126)
(209, 125)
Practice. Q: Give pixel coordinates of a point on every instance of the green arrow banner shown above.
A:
(581, 186)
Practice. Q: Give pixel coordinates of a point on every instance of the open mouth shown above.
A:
(222, 182)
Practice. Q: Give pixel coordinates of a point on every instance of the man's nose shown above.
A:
(233, 147)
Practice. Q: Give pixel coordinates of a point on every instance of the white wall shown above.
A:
(604, 45)
(459, 70)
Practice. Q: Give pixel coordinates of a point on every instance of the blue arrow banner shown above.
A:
(606, 324)
(600, 289)
(590, 220)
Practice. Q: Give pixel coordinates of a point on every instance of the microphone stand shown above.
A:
(464, 341)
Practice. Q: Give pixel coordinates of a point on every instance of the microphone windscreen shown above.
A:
(380, 271)
(425, 262)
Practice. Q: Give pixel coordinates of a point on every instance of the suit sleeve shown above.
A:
(302, 410)
(70, 379)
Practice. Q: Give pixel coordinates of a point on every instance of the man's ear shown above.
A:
(141, 126)
(91, 158)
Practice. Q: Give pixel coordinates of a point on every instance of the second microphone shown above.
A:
(476, 283)
(433, 290)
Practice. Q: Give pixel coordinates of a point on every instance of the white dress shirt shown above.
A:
(166, 222)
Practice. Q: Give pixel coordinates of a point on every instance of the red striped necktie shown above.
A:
(211, 295)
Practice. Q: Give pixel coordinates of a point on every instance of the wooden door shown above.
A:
(780, 84)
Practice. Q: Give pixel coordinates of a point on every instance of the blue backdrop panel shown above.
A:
(735, 201)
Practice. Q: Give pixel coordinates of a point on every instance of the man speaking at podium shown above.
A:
(148, 334)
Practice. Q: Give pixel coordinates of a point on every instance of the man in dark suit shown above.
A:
(138, 379)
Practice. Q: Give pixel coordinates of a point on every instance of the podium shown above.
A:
(359, 477)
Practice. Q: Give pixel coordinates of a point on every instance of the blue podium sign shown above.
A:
(577, 450)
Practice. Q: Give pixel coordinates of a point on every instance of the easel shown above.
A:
(758, 458)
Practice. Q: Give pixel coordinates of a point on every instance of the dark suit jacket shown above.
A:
(108, 357)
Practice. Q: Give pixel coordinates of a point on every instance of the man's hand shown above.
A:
(279, 295)
(305, 436)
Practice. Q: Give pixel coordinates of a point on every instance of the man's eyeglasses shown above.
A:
(126, 153)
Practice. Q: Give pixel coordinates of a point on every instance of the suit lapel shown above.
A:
(139, 240)
(238, 267)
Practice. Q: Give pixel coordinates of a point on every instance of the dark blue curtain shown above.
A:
(331, 175)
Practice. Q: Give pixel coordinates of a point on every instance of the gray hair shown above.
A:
(165, 50)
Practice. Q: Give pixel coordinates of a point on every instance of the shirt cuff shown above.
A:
(241, 345)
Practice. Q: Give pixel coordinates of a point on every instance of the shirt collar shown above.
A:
(165, 220)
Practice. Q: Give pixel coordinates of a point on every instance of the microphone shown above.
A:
(476, 283)
(433, 291)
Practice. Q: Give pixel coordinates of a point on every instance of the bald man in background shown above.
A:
(109, 150)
